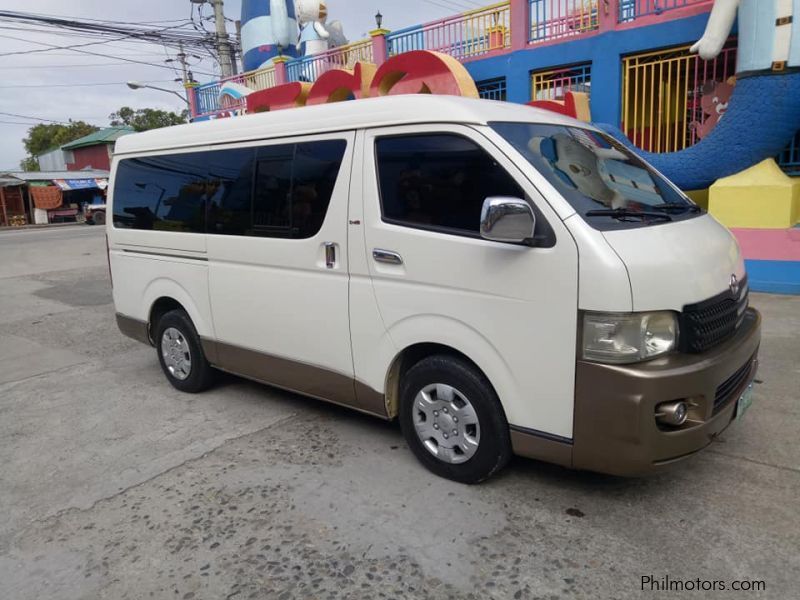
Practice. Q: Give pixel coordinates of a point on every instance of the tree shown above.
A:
(48, 136)
(144, 119)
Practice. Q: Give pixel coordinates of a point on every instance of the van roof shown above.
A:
(339, 116)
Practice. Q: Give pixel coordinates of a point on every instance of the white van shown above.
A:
(501, 279)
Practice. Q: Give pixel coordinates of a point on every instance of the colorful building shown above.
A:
(632, 57)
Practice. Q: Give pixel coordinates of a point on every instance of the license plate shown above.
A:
(745, 401)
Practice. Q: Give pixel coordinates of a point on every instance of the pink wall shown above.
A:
(769, 244)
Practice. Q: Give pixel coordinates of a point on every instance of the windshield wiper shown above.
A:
(623, 213)
(682, 207)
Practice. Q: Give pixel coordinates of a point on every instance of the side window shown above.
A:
(165, 193)
(274, 191)
(294, 186)
(438, 181)
(272, 198)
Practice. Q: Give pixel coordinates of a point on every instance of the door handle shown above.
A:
(387, 256)
(330, 255)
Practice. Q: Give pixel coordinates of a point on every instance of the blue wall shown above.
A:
(604, 51)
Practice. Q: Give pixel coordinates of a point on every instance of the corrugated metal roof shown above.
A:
(6, 181)
(50, 175)
(104, 136)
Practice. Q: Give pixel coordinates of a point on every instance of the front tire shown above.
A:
(453, 421)
(181, 354)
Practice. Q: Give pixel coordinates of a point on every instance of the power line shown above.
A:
(125, 37)
(169, 35)
(139, 62)
(8, 114)
(113, 64)
(41, 120)
(67, 85)
(17, 123)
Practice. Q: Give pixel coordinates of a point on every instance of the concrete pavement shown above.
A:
(113, 485)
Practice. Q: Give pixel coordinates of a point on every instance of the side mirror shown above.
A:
(509, 220)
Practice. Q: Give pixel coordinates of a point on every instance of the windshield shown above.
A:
(608, 185)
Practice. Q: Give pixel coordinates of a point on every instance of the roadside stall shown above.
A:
(63, 196)
(12, 202)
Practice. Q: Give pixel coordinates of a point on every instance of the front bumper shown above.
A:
(615, 427)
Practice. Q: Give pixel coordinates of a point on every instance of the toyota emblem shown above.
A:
(734, 286)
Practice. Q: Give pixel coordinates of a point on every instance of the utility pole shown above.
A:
(239, 43)
(227, 63)
(184, 66)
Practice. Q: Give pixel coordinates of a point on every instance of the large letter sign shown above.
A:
(417, 72)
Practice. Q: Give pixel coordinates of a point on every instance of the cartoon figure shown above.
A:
(715, 100)
(769, 36)
(764, 113)
(269, 28)
(314, 36)
(338, 38)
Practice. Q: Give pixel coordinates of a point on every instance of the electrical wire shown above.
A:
(26, 67)
(68, 85)
(171, 35)
(128, 60)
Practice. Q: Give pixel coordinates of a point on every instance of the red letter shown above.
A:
(423, 72)
(340, 84)
(289, 95)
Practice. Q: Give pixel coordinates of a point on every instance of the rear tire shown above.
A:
(453, 421)
(181, 353)
(99, 218)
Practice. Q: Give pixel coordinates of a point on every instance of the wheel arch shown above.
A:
(163, 295)
(483, 358)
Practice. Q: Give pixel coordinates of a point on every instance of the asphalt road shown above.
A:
(113, 485)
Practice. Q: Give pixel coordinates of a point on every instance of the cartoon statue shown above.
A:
(269, 28)
(338, 38)
(715, 102)
(314, 36)
(764, 113)
(769, 36)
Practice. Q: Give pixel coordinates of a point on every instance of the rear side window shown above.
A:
(439, 181)
(274, 191)
(165, 193)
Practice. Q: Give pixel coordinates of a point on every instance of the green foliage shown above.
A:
(29, 164)
(48, 136)
(145, 119)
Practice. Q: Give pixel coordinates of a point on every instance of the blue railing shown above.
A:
(207, 98)
(492, 89)
(405, 40)
(789, 160)
(555, 19)
(633, 9)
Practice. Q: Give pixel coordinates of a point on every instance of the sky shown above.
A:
(61, 85)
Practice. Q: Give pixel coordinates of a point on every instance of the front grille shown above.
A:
(709, 323)
(727, 390)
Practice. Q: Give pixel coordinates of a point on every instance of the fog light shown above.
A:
(672, 413)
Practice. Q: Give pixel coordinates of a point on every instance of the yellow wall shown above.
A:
(762, 197)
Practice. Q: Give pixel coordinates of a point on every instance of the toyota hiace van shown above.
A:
(500, 279)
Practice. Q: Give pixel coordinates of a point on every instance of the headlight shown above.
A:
(628, 338)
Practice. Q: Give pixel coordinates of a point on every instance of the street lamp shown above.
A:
(379, 19)
(135, 85)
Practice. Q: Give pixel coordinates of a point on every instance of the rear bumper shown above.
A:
(615, 426)
(134, 329)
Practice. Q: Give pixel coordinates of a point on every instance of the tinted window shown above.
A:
(439, 181)
(596, 174)
(165, 193)
(273, 191)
